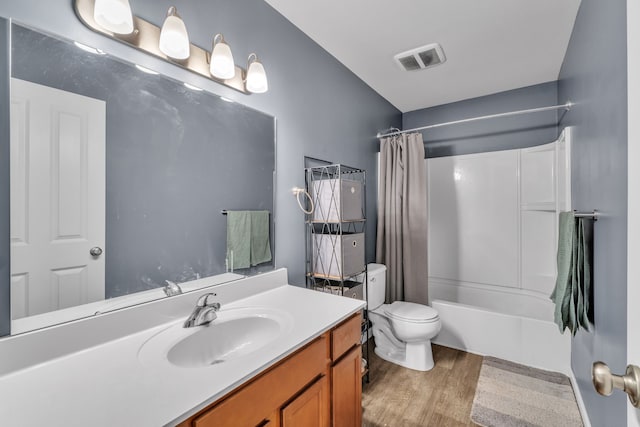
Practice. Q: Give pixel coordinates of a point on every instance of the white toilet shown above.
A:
(402, 330)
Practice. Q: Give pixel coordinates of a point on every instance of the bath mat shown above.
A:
(509, 394)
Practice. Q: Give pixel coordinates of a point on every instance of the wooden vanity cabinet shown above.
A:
(346, 390)
(346, 377)
(317, 386)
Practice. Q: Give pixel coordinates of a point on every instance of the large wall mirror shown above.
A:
(120, 178)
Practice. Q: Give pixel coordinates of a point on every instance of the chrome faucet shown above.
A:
(204, 312)
(172, 288)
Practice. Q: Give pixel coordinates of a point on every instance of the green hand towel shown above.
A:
(260, 246)
(239, 239)
(573, 284)
(247, 238)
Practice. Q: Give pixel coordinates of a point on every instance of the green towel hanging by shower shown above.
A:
(584, 271)
(573, 284)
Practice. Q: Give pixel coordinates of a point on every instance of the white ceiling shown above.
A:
(490, 45)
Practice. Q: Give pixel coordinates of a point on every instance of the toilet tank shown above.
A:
(376, 285)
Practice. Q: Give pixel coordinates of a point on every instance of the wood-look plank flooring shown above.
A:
(442, 397)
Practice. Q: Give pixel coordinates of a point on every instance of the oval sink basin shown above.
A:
(236, 333)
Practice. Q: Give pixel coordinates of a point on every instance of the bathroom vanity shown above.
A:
(319, 385)
(276, 355)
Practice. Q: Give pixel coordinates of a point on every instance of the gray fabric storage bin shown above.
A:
(338, 256)
(337, 200)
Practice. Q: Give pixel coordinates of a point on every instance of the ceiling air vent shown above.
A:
(421, 58)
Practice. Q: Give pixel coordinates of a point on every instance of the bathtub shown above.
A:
(526, 340)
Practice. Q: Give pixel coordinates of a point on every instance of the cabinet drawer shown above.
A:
(254, 402)
(345, 336)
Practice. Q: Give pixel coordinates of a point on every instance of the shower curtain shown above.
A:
(402, 217)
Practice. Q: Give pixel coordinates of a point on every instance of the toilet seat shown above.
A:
(411, 312)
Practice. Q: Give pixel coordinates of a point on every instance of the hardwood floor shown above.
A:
(442, 397)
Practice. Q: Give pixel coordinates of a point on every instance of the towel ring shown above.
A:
(296, 192)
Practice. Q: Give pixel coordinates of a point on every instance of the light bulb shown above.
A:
(256, 76)
(174, 39)
(114, 15)
(222, 64)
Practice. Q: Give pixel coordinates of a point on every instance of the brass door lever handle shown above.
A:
(604, 381)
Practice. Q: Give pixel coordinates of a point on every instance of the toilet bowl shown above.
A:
(402, 331)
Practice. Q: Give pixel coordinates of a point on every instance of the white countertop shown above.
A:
(108, 385)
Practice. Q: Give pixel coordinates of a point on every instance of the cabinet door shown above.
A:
(347, 390)
(310, 409)
(252, 404)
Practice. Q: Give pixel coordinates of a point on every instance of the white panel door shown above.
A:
(57, 198)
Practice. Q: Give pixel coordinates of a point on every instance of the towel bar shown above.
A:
(224, 212)
(595, 214)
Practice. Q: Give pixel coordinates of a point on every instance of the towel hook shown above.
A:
(296, 192)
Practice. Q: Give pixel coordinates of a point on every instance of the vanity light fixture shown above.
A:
(114, 16)
(174, 39)
(256, 80)
(222, 65)
(114, 19)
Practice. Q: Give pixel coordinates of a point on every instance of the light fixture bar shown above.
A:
(145, 37)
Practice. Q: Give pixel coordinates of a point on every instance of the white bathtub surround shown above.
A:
(88, 372)
(492, 251)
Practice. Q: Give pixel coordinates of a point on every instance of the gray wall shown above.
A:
(594, 76)
(489, 135)
(322, 109)
(5, 279)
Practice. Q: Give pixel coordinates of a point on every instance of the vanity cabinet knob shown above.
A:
(96, 251)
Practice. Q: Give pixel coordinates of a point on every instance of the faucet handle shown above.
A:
(203, 301)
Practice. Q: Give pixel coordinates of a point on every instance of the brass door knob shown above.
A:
(604, 381)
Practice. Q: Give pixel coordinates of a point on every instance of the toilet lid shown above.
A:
(410, 311)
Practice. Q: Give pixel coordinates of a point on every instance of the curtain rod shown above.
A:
(566, 106)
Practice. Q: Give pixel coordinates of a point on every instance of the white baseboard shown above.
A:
(578, 395)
